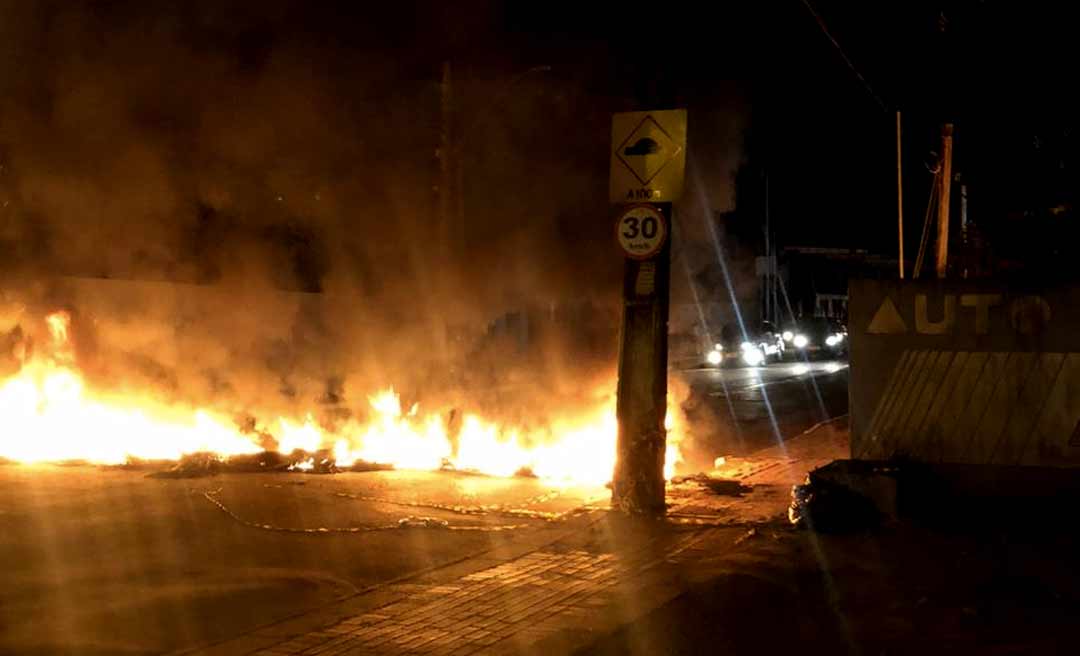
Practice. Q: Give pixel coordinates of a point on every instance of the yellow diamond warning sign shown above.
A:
(647, 150)
(648, 156)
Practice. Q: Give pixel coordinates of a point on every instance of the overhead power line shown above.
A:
(850, 64)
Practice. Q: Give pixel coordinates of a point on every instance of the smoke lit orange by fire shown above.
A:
(48, 413)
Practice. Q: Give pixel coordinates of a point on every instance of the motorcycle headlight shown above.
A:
(714, 357)
(800, 341)
(788, 335)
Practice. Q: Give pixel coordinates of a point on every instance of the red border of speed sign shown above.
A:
(663, 219)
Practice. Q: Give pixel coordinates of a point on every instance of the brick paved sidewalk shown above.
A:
(525, 598)
(789, 462)
(602, 573)
(549, 600)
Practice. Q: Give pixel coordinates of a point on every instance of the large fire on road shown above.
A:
(48, 413)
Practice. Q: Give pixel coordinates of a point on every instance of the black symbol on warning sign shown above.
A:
(643, 146)
(647, 150)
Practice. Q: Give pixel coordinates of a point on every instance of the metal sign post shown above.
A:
(647, 164)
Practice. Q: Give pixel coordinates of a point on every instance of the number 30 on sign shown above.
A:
(641, 231)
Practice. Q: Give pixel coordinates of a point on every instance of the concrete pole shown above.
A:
(899, 196)
(943, 200)
(638, 485)
(641, 406)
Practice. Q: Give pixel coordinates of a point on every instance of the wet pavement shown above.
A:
(108, 561)
(111, 561)
(563, 594)
(739, 377)
(738, 411)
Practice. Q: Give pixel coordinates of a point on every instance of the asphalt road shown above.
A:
(735, 411)
(110, 561)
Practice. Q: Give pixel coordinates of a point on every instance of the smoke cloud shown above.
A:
(242, 211)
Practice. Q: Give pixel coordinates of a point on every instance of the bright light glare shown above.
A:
(48, 413)
(832, 340)
(788, 335)
(753, 357)
(800, 369)
(833, 367)
(800, 341)
(746, 346)
(714, 357)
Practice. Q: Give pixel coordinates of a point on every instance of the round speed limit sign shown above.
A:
(641, 231)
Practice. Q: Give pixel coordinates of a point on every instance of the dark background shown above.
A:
(766, 87)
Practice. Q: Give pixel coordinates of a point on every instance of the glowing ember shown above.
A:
(306, 465)
(48, 414)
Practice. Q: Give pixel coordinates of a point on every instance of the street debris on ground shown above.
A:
(845, 495)
(718, 486)
(198, 465)
(746, 536)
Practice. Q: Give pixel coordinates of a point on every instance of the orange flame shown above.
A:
(48, 414)
(58, 323)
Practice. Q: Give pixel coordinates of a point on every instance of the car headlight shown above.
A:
(800, 341)
(788, 335)
(832, 340)
(753, 356)
(714, 357)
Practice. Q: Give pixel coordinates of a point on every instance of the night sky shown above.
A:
(765, 86)
(998, 70)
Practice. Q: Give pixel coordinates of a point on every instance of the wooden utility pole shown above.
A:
(638, 485)
(899, 195)
(943, 200)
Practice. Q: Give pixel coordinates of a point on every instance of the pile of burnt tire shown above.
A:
(845, 496)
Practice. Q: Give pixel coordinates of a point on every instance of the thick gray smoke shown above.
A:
(242, 214)
(241, 211)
